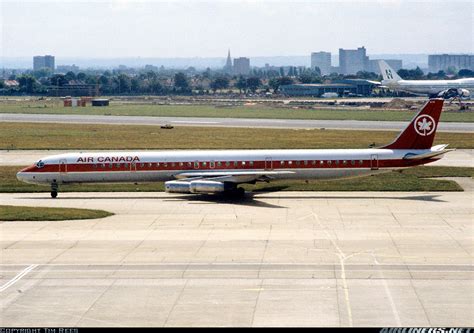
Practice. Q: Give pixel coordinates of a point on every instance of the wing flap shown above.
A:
(231, 176)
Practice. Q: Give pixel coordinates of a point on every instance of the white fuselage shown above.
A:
(167, 165)
(429, 87)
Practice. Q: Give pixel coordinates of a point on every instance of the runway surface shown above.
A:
(226, 122)
(286, 258)
(460, 157)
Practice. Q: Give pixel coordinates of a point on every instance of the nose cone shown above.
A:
(25, 175)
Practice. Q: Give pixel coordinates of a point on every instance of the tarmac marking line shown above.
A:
(18, 277)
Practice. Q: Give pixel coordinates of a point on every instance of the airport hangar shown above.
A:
(343, 87)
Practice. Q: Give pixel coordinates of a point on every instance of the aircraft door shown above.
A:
(133, 166)
(62, 166)
(268, 163)
(374, 162)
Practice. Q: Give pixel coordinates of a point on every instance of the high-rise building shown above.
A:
(352, 61)
(321, 60)
(441, 62)
(241, 66)
(228, 64)
(41, 62)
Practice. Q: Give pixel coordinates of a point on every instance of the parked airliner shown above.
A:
(221, 171)
(431, 88)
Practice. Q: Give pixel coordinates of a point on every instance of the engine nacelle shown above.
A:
(175, 186)
(206, 186)
(463, 92)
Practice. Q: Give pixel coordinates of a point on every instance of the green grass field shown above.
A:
(414, 179)
(20, 213)
(83, 136)
(251, 111)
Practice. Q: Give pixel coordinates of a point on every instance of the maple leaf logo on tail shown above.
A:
(424, 125)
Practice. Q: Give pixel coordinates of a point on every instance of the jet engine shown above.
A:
(463, 92)
(454, 93)
(175, 186)
(195, 186)
(206, 186)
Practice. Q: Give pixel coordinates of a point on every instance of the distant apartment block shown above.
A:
(373, 65)
(441, 62)
(321, 60)
(241, 66)
(352, 61)
(67, 68)
(41, 62)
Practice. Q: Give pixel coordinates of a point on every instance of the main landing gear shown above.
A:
(54, 190)
(236, 193)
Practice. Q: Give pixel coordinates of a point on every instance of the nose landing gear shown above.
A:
(54, 190)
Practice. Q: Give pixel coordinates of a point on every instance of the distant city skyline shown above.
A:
(185, 29)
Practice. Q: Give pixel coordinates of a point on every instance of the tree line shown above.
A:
(188, 82)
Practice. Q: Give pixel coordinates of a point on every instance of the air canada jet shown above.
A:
(432, 88)
(221, 171)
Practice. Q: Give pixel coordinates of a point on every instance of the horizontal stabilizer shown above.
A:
(435, 151)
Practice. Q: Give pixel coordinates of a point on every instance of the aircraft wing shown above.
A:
(435, 151)
(237, 177)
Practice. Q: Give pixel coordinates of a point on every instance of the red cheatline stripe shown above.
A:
(255, 165)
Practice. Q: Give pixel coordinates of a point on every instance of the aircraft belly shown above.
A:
(329, 173)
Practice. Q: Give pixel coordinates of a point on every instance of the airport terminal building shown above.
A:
(342, 88)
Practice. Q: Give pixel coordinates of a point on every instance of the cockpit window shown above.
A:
(40, 164)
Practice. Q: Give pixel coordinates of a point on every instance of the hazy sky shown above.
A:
(129, 28)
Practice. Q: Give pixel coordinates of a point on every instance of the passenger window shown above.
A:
(189, 164)
(212, 164)
(290, 162)
(251, 163)
(173, 164)
(353, 162)
(227, 163)
(305, 162)
(110, 165)
(321, 162)
(196, 165)
(243, 163)
(313, 162)
(149, 165)
(344, 162)
(329, 162)
(204, 164)
(282, 163)
(142, 165)
(337, 162)
(235, 163)
(361, 162)
(297, 162)
(180, 163)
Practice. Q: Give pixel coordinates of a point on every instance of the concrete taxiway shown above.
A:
(286, 258)
(226, 122)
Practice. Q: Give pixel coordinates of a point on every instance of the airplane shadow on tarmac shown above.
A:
(250, 198)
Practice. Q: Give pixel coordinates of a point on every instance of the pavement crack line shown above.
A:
(342, 258)
(18, 277)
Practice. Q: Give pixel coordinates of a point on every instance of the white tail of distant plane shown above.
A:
(388, 73)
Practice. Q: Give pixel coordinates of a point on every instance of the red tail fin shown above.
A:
(421, 131)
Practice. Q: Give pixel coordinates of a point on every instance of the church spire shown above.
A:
(228, 63)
